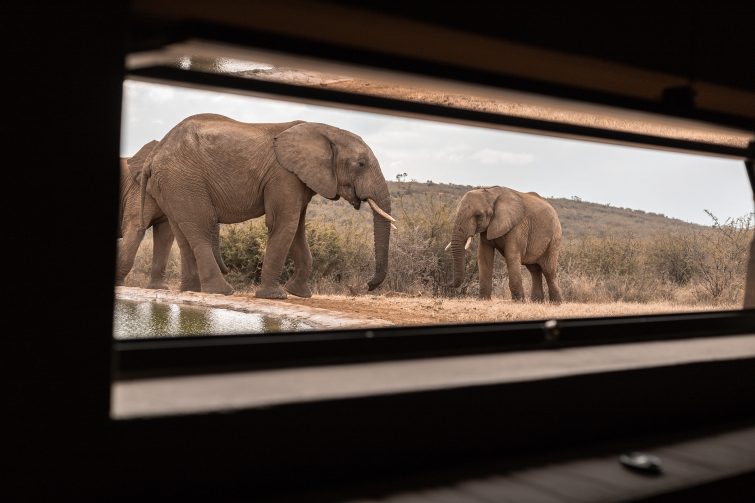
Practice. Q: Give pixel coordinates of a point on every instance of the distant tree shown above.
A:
(400, 177)
(576, 198)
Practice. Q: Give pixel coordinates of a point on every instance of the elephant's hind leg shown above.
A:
(162, 241)
(302, 257)
(189, 275)
(199, 236)
(536, 272)
(549, 271)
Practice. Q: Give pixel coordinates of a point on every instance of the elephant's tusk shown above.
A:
(469, 243)
(377, 209)
(394, 227)
(447, 246)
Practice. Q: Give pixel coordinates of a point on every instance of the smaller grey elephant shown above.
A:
(523, 227)
(137, 212)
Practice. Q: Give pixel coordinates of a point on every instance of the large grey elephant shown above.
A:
(523, 227)
(211, 169)
(137, 213)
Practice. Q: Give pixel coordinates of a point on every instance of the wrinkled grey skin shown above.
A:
(136, 215)
(523, 227)
(210, 169)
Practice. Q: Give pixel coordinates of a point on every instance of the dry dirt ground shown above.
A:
(408, 311)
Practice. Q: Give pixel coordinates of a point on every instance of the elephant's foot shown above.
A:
(158, 284)
(270, 292)
(537, 298)
(190, 285)
(517, 297)
(485, 296)
(299, 289)
(220, 286)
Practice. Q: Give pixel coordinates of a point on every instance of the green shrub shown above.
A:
(242, 247)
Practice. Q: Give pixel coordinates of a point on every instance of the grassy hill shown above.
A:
(423, 200)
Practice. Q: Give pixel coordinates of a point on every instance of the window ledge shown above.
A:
(244, 390)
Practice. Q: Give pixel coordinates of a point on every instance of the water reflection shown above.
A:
(133, 320)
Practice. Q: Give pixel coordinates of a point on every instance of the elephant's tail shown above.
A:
(143, 179)
(142, 196)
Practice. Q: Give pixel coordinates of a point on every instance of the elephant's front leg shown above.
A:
(485, 257)
(302, 257)
(281, 229)
(162, 241)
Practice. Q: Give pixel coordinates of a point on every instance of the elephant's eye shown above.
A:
(361, 163)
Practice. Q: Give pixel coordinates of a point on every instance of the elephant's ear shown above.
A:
(508, 211)
(136, 162)
(306, 152)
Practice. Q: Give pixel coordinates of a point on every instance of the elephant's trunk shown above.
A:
(382, 233)
(459, 241)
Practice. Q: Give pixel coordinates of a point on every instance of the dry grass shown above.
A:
(407, 311)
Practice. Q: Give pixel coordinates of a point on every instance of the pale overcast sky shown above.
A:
(677, 185)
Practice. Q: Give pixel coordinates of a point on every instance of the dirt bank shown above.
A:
(421, 311)
(370, 311)
(314, 316)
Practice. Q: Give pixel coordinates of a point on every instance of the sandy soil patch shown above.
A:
(409, 311)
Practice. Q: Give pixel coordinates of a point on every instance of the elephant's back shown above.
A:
(213, 125)
(214, 136)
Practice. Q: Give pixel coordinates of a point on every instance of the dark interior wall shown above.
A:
(705, 41)
(62, 78)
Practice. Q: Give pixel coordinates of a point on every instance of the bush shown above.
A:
(338, 251)
(722, 257)
(608, 255)
(242, 247)
(704, 265)
(675, 257)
